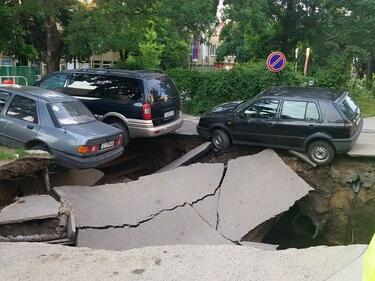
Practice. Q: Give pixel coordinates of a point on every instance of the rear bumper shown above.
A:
(76, 162)
(345, 145)
(146, 129)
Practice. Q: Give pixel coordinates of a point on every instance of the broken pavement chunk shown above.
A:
(87, 177)
(136, 201)
(255, 189)
(34, 207)
(179, 226)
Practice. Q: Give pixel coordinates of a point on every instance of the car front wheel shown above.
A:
(321, 153)
(220, 140)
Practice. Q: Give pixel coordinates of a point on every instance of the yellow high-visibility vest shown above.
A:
(369, 262)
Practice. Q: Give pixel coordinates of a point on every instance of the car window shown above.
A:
(104, 86)
(122, 88)
(262, 109)
(86, 85)
(349, 108)
(71, 113)
(312, 113)
(294, 110)
(54, 82)
(24, 109)
(4, 96)
(161, 88)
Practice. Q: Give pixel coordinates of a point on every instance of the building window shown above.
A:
(107, 64)
(213, 50)
(96, 64)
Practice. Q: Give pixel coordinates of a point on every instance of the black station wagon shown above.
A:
(318, 121)
(140, 103)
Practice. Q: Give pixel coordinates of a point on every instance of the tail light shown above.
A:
(85, 149)
(119, 141)
(146, 111)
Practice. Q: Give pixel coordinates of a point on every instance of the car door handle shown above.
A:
(30, 127)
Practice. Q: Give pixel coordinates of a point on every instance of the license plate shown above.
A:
(107, 144)
(169, 114)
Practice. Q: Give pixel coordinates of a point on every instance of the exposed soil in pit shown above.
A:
(333, 214)
(146, 156)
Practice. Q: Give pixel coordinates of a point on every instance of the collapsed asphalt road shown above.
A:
(197, 204)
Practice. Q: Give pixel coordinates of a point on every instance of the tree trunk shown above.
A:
(370, 71)
(53, 45)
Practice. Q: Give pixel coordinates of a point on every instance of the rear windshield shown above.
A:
(71, 112)
(161, 89)
(349, 108)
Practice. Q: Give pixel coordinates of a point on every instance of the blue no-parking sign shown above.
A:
(276, 61)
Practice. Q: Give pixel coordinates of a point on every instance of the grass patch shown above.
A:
(11, 154)
(366, 101)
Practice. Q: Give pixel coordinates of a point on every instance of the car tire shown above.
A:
(321, 152)
(120, 125)
(220, 140)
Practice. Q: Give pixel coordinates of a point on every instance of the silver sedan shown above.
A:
(36, 118)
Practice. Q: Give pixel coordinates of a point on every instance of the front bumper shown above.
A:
(76, 162)
(203, 132)
(345, 145)
(146, 129)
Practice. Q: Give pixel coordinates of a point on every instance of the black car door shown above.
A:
(255, 123)
(298, 120)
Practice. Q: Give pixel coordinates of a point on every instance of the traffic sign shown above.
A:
(276, 61)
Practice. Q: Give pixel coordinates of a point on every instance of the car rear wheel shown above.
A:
(321, 152)
(124, 129)
(220, 140)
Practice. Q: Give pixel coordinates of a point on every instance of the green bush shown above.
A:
(201, 90)
(336, 75)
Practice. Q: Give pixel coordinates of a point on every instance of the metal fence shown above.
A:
(21, 71)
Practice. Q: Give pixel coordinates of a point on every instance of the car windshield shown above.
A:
(71, 112)
(349, 108)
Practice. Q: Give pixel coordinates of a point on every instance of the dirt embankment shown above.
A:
(333, 214)
(347, 216)
(22, 176)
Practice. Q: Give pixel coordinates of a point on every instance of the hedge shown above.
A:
(201, 90)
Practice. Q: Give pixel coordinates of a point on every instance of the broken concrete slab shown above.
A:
(188, 157)
(180, 226)
(136, 201)
(87, 177)
(303, 157)
(352, 271)
(255, 189)
(207, 209)
(34, 207)
(262, 246)
(44, 262)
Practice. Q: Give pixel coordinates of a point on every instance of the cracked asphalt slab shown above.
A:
(180, 226)
(255, 189)
(42, 262)
(207, 203)
(130, 204)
